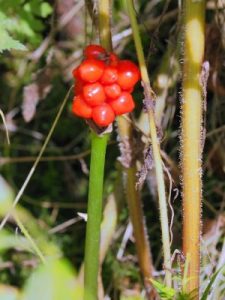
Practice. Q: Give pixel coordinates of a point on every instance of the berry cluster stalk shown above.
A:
(95, 193)
(192, 104)
(155, 147)
(132, 195)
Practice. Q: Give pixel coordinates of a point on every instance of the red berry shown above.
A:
(94, 94)
(110, 75)
(91, 70)
(78, 87)
(112, 91)
(128, 74)
(130, 91)
(80, 107)
(94, 51)
(122, 105)
(103, 115)
(75, 72)
(113, 59)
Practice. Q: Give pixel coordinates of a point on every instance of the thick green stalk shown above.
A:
(192, 104)
(132, 195)
(92, 243)
(155, 146)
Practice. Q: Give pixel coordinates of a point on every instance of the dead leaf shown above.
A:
(35, 92)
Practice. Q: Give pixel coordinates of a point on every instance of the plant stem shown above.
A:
(91, 261)
(192, 104)
(155, 147)
(132, 195)
(139, 229)
(136, 211)
(104, 24)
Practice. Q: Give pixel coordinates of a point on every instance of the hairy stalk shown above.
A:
(92, 243)
(155, 145)
(132, 195)
(192, 106)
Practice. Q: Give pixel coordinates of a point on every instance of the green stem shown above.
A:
(91, 261)
(155, 147)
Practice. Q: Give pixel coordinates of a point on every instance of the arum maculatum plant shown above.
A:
(103, 87)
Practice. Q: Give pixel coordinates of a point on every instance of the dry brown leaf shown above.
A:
(34, 92)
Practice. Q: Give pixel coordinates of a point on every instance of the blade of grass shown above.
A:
(155, 147)
(209, 286)
(5, 125)
(30, 239)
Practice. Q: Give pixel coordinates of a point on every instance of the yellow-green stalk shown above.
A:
(132, 195)
(192, 106)
(155, 146)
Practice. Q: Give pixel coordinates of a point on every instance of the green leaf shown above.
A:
(165, 292)
(45, 9)
(42, 9)
(6, 197)
(54, 281)
(6, 41)
(208, 288)
(9, 240)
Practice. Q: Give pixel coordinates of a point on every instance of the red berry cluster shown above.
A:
(103, 86)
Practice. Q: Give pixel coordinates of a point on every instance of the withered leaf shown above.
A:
(33, 93)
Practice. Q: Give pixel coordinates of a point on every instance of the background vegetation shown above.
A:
(40, 43)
